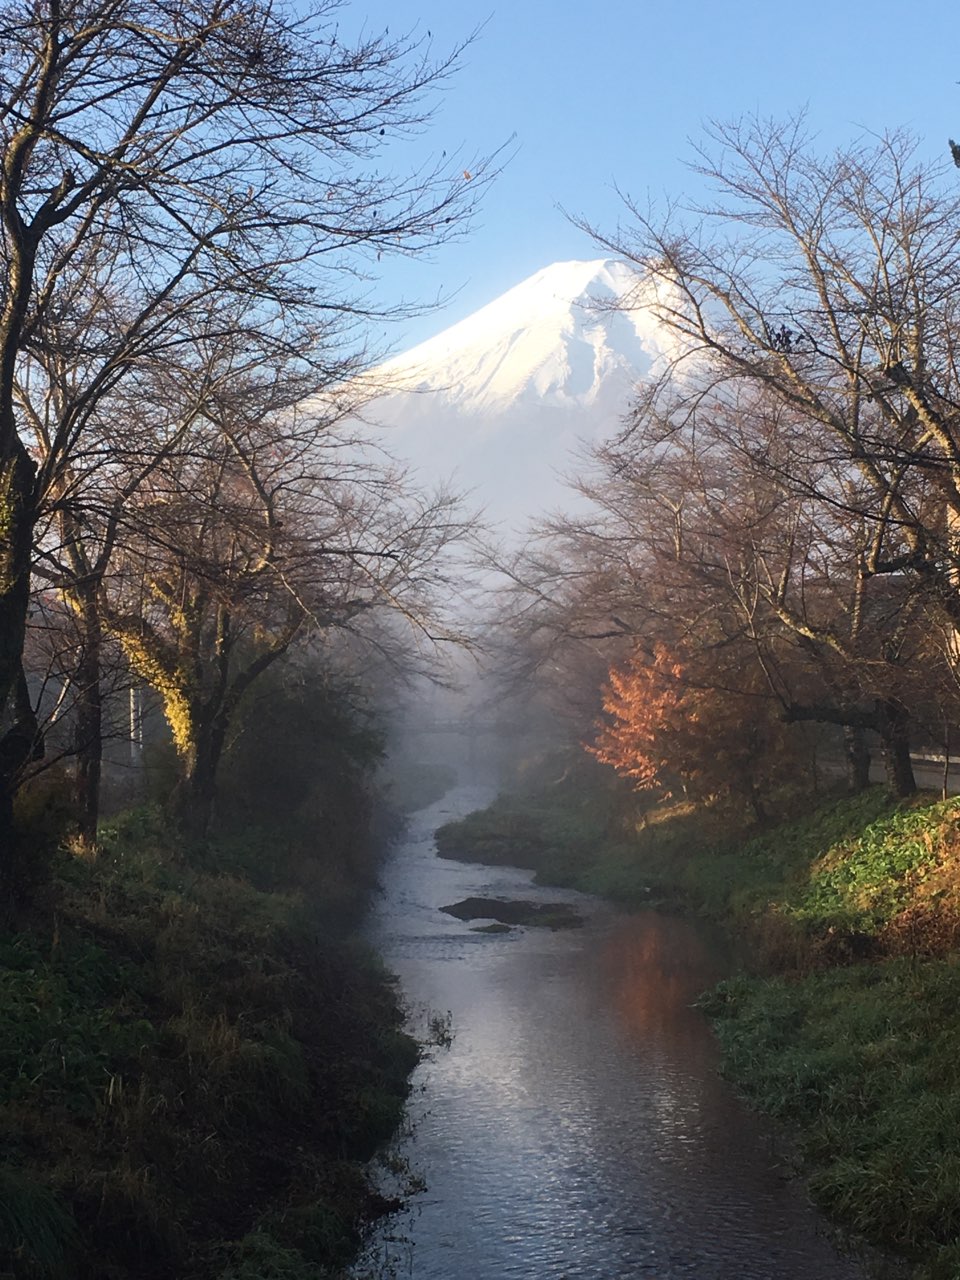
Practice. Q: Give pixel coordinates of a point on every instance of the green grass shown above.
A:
(186, 1064)
(861, 1061)
(863, 1064)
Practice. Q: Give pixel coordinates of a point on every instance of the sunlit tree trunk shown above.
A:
(200, 692)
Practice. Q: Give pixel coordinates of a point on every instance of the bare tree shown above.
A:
(267, 522)
(818, 297)
(171, 155)
(831, 285)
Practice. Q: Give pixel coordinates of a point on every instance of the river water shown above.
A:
(576, 1126)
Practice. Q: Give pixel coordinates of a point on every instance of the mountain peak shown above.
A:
(503, 398)
(554, 338)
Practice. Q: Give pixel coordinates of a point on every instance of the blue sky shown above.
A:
(609, 94)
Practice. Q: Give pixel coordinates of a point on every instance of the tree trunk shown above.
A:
(757, 805)
(18, 727)
(21, 744)
(857, 757)
(894, 725)
(945, 781)
(196, 791)
(88, 736)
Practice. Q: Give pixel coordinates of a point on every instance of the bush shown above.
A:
(296, 802)
(181, 1054)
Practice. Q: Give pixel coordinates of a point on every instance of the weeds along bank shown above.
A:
(852, 1035)
(193, 1066)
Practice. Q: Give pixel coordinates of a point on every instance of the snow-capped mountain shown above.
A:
(503, 400)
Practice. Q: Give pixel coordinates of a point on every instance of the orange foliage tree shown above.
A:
(644, 706)
(665, 723)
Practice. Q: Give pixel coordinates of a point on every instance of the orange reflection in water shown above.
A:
(653, 966)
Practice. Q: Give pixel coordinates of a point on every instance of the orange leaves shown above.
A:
(647, 709)
(672, 717)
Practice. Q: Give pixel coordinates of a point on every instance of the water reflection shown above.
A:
(577, 1126)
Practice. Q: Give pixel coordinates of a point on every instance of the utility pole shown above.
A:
(136, 727)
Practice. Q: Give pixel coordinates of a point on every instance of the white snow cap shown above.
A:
(503, 400)
(551, 339)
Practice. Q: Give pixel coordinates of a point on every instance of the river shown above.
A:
(576, 1126)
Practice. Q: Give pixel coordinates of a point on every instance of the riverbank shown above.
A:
(846, 1030)
(193, 1068)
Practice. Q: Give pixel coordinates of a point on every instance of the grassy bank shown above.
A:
(847, 1027)
(193, 1068)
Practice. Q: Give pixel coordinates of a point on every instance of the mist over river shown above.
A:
(576, 1126)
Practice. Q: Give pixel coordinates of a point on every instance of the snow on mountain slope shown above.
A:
(502, 400)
